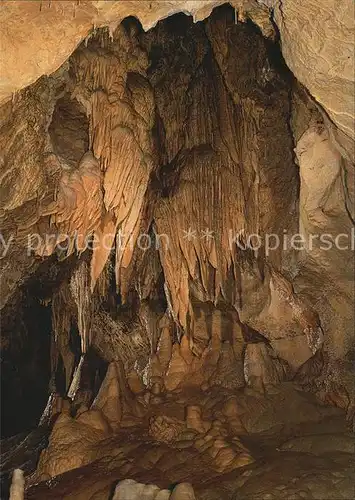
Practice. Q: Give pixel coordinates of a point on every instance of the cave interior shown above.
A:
(155, 342)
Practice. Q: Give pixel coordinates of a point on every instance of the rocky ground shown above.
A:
(228, 445)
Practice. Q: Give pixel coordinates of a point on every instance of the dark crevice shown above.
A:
(69, 130)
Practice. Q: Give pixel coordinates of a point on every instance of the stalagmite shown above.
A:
(164, 350)
(128, 489)
(194, 419)
(135, 382)
(75, 383)
(108, 399)
(177, 370)
(81, 292)
(50, 410)
(73, 443)
(17, 485)
(183, 491)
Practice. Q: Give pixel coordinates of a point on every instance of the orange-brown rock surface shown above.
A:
(153, 175)
(328, 26)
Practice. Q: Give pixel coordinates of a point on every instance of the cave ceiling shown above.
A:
(317, 39)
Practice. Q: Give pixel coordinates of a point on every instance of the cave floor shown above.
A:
(300, 450)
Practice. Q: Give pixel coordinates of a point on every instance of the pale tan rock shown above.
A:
(286, 320)
(330, 85)
(185, 350)
(323, 212)
(163, 495)
(194, 419)
(72, 443)
(135, 382)
(177, 370)
(108, 399)
(164, 350)
(128, 489)
(183, 491)
(229, 372)
(328, 26)
(262, 367)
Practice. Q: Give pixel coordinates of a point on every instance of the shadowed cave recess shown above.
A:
(151, 348)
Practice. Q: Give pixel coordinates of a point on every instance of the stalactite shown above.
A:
(122, 117)
(122, 340)
(218, 123)
(75, 383)
(81, 292)
(47, 412)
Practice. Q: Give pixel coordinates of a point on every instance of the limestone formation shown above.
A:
(72, 443)
(262, 367)
(108, 399)
(183, 491)
(17, 485)
(176, 261)
(129, 489)
(71, 23)
(194, 420)
(165, 429)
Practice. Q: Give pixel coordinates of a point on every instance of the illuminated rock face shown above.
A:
(314, 35)
(131, 490)
(164, 198)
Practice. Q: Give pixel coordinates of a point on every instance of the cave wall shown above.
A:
(190, 125)
(25, 364)
(317, 40)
